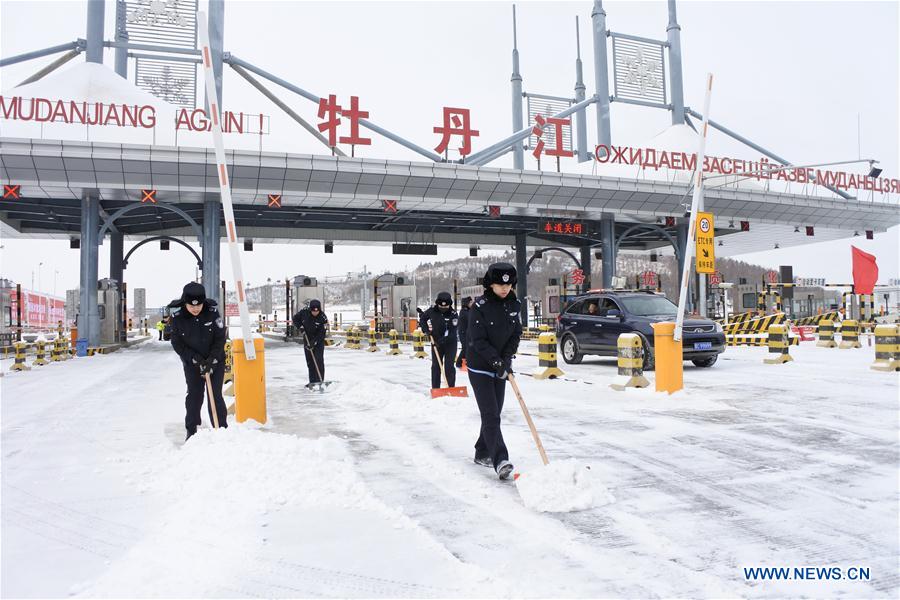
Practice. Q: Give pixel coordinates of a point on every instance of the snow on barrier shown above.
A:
(826, 334)
(779, 345)
(394, 345)
(849, 334)
(887, 348)
(631, 363)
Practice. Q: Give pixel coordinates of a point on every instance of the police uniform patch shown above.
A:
(505, 278)
(220, 323)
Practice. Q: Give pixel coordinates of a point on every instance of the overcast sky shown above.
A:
(793, 76)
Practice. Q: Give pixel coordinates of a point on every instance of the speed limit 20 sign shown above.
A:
(705, 243)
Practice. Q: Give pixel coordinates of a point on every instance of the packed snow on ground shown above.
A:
(370, 489)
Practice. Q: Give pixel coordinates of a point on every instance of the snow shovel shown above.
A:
(212, 401)
(459, 391)
(318, 385)
(534, 433)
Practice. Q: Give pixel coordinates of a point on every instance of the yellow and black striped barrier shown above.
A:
(826, 334)
(229, 372)
(55, 352)
(849, 334)
(41, 358)
(816, 320)
(353, 339)
(754, 340)
(779, 345)
(19, 358)
(887, 348)
(631, 363)
(419, 344)
(547, 368)
(755, 325)
(393, 343)
(373, 341)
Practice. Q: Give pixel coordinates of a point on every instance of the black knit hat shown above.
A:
(466, 301)
(193, 293)
(502, 273)
(315, 304)
(444, 298)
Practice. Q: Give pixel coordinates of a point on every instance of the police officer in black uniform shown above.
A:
(492, 339)
(440, 323)
(312, 325)
(198, 336)
(463, 325)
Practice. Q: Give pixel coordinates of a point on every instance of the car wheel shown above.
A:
(570, 351)
(706, 362)
(649, 359)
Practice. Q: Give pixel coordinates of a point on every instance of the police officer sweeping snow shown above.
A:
(312, 325)
(464, 310)
(198, 336)
(439, 323)
(492, 339)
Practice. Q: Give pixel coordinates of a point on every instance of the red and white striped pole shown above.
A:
(696, 203)
(225, 187)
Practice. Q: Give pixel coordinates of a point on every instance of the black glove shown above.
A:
(507, 363)
(459, 360)
(499, 368)
(207, 365)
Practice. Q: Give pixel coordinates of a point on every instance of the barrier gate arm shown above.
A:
(225, 187)
(695, 203)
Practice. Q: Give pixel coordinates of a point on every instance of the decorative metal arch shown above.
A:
(162, 237)
(627, 233)
(542, 250)
(108, 223)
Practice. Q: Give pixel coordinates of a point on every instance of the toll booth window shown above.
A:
(748, 300)
(554, 304)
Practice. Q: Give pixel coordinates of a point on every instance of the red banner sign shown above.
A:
(38, 310)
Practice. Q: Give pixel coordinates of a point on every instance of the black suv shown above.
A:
(591, 324)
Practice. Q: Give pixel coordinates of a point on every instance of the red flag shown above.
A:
(865, 271)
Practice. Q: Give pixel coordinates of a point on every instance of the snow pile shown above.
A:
(561, 486)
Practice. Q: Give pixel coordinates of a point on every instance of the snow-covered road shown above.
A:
(369, 490)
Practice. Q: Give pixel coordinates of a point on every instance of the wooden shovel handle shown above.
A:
(212, 401)
(440, 361)
(534, 433)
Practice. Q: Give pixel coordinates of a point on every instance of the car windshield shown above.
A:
(646, 306)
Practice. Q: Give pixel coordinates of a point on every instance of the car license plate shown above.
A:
(702, 345)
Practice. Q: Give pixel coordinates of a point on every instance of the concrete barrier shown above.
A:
(394, 345)
(849, 334)
(826, 334)
(778, 345)
(547, 367)
(630, 350)
(19, 358)
(887, 348)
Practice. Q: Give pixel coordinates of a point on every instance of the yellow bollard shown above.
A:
(41, 358)
(849, 334)
(373, 342)
(419, 344)
(352, 339)
(631, 363)
(249, 382)
(887, 348)
(547, 368)
(19, 359)
(826, 334)
(394, 345)
(668, 357)
(229, 371)
(778, 344)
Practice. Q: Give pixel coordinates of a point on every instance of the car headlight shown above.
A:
(719, 328)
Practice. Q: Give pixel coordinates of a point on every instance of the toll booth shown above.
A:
(395, 303)
(303, 290)
(551, 304)
(109, 304)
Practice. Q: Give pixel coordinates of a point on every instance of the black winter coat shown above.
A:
(196, 338)
(440, 325)
(316, 328)
(494, 331)
(464, 314)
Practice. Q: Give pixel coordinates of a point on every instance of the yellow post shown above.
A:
(249, 382)
(373, 342)
(419, 344)
(352, 339)
(229, 371)
(392, 342)
(826, 334)
(41, 358)
(850, 334)
(778, 345)
(887, 348)
(631, 363)
(19, 359)
(668, 357)
(547, 368)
